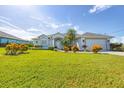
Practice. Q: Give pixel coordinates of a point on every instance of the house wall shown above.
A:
(89, 42)
(4, 41)
(79, 43)
(42, 41)
(51, 43)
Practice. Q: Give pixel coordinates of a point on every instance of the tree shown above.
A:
(71, 35)
(65, 42)
(69, 39)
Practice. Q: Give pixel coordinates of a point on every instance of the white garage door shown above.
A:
(91, 42)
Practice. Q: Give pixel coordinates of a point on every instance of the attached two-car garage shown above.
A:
(102, 42)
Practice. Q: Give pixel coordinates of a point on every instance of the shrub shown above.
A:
(84, 46)
(116, 46)
(51, 48)
(11, 49)
(30, 45)
(74, 48)
(122, 48)
(22, 48)
(66, 48)
(36, 47)
(96, 48)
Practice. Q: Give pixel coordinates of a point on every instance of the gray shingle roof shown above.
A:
(89, 34)
(85, 35)
(6, 35)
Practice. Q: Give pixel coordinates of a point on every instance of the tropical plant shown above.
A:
(66, 48)
(84, 47)
(71, 35)
(65, 42)
(74, 48)
(96, 48)
(69, 39)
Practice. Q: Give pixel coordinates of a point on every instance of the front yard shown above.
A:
(45, 68)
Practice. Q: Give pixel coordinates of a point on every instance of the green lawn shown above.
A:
(45, 68)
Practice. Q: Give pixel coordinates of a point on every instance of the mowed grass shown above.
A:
(45, 68)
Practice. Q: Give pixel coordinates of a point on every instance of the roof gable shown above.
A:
(58, 34)
(43, 36)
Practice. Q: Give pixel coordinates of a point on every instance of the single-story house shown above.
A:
(88, 39)
(6, 38)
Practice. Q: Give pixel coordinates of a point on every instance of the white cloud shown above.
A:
(17, 32)
(5, 18)
(99, 8)
(33, 29)
(118, 40)
(36, 18)
(37, 31)
(12, 29)
(77, 28)
(8, 23)
(49, 23)
(66, 24)
(54, 26)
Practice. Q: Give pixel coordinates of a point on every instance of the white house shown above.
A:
(88, 39)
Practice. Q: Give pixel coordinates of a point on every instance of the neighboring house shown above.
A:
(6, 38)
(88, 39)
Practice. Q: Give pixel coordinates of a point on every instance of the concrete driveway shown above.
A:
(107, 52)
(114, 53)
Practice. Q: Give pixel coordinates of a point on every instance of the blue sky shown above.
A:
(30, 21)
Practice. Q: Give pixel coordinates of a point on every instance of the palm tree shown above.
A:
(65, 42)
(71, 35)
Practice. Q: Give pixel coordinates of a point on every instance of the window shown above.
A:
(44, 42)
(83, 40)
(36, 41)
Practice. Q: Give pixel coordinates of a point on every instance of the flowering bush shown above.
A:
(22, 48)
(13, 48)
(74, 48)
(66, 48)
(96, 48)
